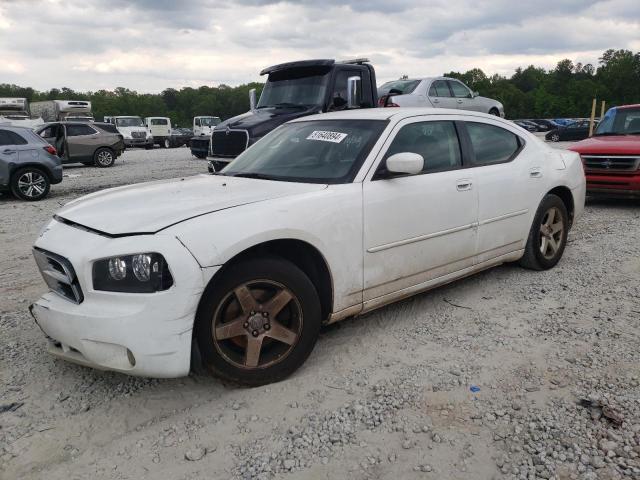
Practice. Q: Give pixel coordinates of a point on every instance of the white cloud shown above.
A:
(150, 45)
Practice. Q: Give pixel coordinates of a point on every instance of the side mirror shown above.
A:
(474, 94)
(354, 92)
(405, 162)
(252, 99)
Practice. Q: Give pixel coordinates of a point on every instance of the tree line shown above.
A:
(531, 92)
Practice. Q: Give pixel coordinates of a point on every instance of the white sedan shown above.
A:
(327, 217)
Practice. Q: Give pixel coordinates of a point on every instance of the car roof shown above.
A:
(396, 113)
(419, 79)
(622, 107)
(15, 128)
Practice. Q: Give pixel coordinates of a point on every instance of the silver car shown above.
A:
(437, 92)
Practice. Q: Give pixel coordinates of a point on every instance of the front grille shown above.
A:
(610, 162)
(59, 275)
(138, 135)
(200, 143)
(229, 143)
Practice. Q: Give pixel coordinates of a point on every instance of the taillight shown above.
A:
(389, 103)
(51, 149)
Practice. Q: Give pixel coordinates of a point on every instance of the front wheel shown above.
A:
(494, 111)
(555, 137)
(548, 235)
(30, 184)
(104, 158)
(259, 322)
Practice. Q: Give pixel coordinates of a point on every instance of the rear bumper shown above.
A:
(611, 184)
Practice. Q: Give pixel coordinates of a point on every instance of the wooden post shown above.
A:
(593, 117)
(602, 110)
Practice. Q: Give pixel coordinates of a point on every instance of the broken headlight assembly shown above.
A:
(138, 273)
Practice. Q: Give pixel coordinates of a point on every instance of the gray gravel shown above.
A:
(508, 374)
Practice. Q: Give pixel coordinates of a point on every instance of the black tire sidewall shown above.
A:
(272, 268)
(548, 202)
(97, 162)
(494, 112)
(16, 191)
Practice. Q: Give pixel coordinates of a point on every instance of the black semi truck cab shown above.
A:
(292, 90)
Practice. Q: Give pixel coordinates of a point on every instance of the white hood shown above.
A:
(150, 207)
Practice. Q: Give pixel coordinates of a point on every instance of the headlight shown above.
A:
(139, 273)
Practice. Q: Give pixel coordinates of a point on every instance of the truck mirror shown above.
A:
(354, 92)
(252, 99)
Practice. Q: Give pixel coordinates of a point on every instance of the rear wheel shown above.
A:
(167, 143)
(104, 158)
(30, 183)
(548, 235)
(259, 322)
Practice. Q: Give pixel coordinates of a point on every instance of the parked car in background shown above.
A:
(611, 157)
(543, 124)
(133, 131)
(526, 125)
(96, 143)
(28, 164)
(325, 218)
(438, 92)
(572, 131)
(160, 130)
(180, 137)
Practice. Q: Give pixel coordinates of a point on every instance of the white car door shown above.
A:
(463, 96)
(507, 180)
(440, 95)
(420, 227)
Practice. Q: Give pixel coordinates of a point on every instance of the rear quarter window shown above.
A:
(7, 137)
(492, 144)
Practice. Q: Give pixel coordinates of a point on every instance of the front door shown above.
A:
(420, 227)
(440, 95)
(463, 96)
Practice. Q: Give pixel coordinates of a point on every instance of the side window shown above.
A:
(49, 132)
(492, 144)
(437, 142)
(77, 130)
(11, 138)
(158, 121)
(439, 88)
(459, 90)
(339, 94)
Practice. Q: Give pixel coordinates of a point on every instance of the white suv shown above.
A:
(326, 217)
(437, 92)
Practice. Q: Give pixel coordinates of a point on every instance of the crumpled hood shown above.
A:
(150, 207)
(609, 144)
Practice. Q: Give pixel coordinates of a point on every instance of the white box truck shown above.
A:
(59, 110)
(160, 129)
(15, 112)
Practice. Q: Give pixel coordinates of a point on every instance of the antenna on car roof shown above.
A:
(358, 61)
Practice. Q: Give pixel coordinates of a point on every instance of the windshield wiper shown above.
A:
(259, 176)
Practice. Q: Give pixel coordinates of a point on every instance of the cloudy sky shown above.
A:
(150, 45)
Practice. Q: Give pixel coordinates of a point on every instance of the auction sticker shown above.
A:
(324, 136)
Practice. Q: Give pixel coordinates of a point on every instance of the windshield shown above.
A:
(620, 121)
(321, 151)
(209, 121)
(129, 122)
(403, 86)
(296, 87)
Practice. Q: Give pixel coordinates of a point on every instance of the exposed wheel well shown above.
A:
(39, 166)
(567, 198)
(304, 256)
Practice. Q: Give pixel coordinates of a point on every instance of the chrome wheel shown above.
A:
(257, 324)
(104, 158)
(32, 184)
(551, 233)
(555, 137)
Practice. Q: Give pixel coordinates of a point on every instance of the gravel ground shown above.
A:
(507, 374)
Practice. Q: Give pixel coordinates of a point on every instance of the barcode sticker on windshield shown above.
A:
(324, 136)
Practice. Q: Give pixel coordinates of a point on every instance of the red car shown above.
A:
(611, 157)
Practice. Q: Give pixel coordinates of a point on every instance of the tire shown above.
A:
(148, 147)
(166, 143)
(494, 111)
(30, 183)
(548, 235)
(104, 158)
(229, 350)
(555, 137)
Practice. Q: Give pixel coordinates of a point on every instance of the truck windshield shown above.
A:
(320, 151)
(209, 121)
(620, 121)
(298, 87)
(129, 122)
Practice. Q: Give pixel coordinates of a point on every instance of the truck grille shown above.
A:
(610, 162)
(138, 135)
(229, 143)
(59, 275)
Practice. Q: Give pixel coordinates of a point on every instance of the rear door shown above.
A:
(14, 149)
(82, 142)
(440, 95)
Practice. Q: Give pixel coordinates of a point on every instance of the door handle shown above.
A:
(435, 100)
(459, 100)
(535, 172)
(8, 152)
(464, 185)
